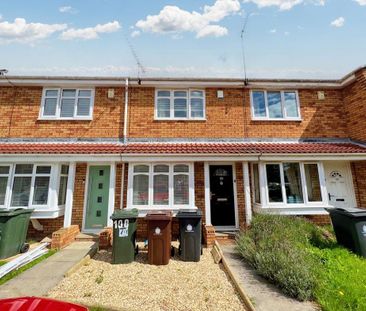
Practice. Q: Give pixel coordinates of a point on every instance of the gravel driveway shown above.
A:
(140, 286)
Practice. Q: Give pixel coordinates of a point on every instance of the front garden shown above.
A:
(305, 262)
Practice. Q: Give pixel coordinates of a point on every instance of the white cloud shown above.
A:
(361, 2)
(338, 22)
(273, 30)
(286, 33)
(284, 5)
(135, 33)
(23, 32)
(172, 19)
(90, 33)
(67, 9)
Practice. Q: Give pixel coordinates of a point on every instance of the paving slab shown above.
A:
(263, 295)
(41, 278)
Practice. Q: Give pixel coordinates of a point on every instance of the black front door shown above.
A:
(222, 195)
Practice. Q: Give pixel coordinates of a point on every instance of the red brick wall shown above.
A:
(49, 226)
(231, 117)
(240, 195)
(359, 182)
(117, 201)
(79, 189)
(199, 188)
(20, 106)
(354, 97)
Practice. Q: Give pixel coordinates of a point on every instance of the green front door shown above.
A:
(96, 215)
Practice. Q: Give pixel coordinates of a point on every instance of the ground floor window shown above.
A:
(161, 185)
(30, 185)
(64, 174)
(288, 184)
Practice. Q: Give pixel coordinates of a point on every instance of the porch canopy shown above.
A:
(250, 151)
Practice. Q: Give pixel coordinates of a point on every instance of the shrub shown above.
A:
(275, 247)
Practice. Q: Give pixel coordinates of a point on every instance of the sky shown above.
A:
(185, 38)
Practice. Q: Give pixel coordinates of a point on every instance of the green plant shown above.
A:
(99, 278)
(274, 247)
(341, 280)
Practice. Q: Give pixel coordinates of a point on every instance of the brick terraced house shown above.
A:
(76, 148)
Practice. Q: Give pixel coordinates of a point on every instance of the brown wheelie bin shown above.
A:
(159, 226)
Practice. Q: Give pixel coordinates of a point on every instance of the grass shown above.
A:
(305, 262)
(15, 273)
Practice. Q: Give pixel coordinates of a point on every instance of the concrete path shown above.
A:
(264, 296)
(38, 280)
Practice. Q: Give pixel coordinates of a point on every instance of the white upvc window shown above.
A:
(64, 174)
(67, 104)
(275, 105)
(30, 185)
(161, 186)
(5, 177)
(293, 184)
(180, 104)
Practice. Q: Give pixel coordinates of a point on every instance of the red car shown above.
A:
(38, 304)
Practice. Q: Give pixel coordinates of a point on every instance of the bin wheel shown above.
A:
(172, 251)
(24, 248)
(136, 250)
(179, 251)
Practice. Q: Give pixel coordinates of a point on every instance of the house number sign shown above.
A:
(122, 226)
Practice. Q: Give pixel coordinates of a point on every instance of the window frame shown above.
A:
(8, 185)
(60, 175)
(171, 98)
(57, 115)
(284, 204)
(150, 204)
(283, 107)
(33, 176)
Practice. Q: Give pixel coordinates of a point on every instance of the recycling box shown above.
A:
(190, 235)
(159, 224)
(124, 235)
(13, 231)
(350, 228)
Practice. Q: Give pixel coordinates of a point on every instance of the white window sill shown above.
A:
(44, 213)
(300, 210)
(143, 210)
(278, 119)
(65, 119)
(179, 119)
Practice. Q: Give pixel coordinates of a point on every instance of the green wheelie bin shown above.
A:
(13, 231)
(350, 228)
(190, 235)
(124, 247)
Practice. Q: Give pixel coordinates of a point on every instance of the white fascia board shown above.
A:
(63, 82)
(294, 85)
(188, 84)
(313, 157)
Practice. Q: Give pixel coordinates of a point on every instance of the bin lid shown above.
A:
(4, 212)
(159, 215)
(125, 213)
(351, 211)
(194, 213)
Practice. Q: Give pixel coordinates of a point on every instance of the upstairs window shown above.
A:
(275, 105)
(67, 104)
(180, 104)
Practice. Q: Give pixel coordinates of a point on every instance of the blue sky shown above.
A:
(283, 39)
